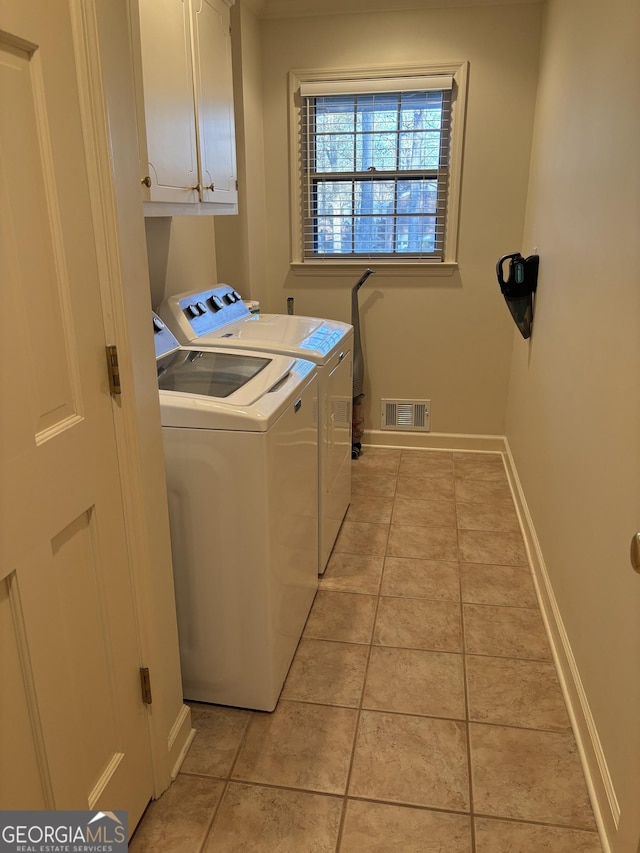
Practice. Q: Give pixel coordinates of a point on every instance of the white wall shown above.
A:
(446, 339)
(574, 401)
(181, 252)
(242, 239)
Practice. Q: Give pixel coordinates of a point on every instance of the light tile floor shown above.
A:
(422, 711)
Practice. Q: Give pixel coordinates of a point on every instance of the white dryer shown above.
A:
(218, 318)
(240, 440)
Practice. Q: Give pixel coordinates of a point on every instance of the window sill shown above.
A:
(383, 267)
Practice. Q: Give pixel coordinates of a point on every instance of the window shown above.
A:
(377, 167)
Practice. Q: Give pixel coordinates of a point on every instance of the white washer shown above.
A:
(218, 317)
(240, 439)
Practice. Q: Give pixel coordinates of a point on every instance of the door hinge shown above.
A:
(114, 370)
(145, 685)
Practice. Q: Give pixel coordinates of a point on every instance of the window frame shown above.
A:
(319, 265)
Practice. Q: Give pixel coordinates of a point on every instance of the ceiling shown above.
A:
(303, 8)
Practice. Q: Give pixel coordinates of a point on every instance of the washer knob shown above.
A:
(192, 311)
(202, 308)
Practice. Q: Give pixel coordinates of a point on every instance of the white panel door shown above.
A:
(73, 731)
(214, 101)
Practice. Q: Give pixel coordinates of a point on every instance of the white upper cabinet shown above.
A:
(187, 136)
(214, 100)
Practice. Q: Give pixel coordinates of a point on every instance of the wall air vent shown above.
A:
(414, 415)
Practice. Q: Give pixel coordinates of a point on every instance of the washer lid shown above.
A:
(212, 373)
(228, 390)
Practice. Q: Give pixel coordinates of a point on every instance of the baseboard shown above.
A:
(433, 440)
(603, 799)
(180, 738)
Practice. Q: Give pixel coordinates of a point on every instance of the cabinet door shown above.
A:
(214, 100)
(165, 35)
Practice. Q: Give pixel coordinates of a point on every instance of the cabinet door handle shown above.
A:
(211, 187)
(197, 187)
(146, 181)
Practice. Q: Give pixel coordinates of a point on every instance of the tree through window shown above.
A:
(376, 167)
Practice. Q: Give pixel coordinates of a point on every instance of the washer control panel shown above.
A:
(209, 310)
(163, 339)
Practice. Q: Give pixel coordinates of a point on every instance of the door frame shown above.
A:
(103, 45)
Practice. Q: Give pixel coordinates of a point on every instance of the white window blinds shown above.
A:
(312, 89)
(375, 167)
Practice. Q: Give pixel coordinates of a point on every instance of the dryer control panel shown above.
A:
(218, 317)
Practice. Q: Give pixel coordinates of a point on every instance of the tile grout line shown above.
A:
(472, 823)
(532, 822)
(392, 713)
(493, 655)
(415, 806)
(227, 781)
(464, 680)
(345, 798)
